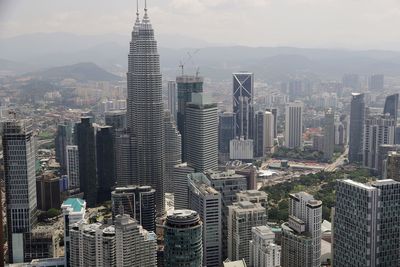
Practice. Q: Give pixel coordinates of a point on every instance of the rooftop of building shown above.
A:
(286, 228)
(76, 204)
(240, 263)
(263, 230)
(357, 184)
(229, 174)
(252, 193)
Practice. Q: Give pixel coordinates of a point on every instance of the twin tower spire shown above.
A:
(145, 17)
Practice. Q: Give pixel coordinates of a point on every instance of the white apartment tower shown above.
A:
(242, 217)
(378, 130)
(73, 167)
(301, 235)
(206, 201)
(180, 185)
(294, 125)
(263, 251)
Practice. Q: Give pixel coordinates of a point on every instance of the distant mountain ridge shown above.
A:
(82, 72)
(110, 52)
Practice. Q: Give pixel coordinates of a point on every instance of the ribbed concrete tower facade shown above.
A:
(145, 109)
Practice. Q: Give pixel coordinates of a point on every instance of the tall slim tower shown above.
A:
(172, 98)
(357, 115)
(20, 183)
(145, 109)
(243, 101)
(294, 125)
(329, 134)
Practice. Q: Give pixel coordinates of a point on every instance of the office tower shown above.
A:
(124, 158)
(263, 251)
(392, 168)
(329, 134)
(242, 216)
(383, 153)
(241, 149)
(366, 231)
(254, 196)
(243, 101)
(116, 119)
(63, 139)
(172, 99)
(48, 192)
(173, 150)
(41, 243)
(226, 132)
(301, 235)
(201, 130)
(294, 125)
(376, 82)
(187, 85)
(181, 189)
(145, 109)
(73, 210)
(20, 184)
(206, 201)
(318, 142)
(183, 239)
(357, 116)
(105, 162)
(351, 81)
(378, 130)
(227, 183)
(263, 133)
(392, 106)
(295, 89)
(135, 247)
(86, 141)
(139, 202)
(73, 167)
(274, 112)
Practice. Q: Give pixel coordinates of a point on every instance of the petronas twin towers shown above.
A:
(145, 109)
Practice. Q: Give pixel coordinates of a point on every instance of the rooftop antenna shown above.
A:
(137, 8)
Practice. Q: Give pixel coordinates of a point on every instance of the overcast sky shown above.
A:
(356, 24)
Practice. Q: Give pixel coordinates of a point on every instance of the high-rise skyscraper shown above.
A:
(135, 247)
(20, 184)
(243, 101)
(329, 134)
(86, 140)
(139, 202)
(116, 119)
(242, 217)
(366, 229)
(173, 150)
(201, 130)
(378, 130)
(206, 201)
(183, 239)
(63, 139)
(145, 109)
(124, 158)
(294, 125)
(392, 166)
(263, 251)
(226, 132)
(181, 189)
(227, 184)
(351, 81)
(376, 82)
(263, 133)
(73, 167)
(357, 116)
(105, 162)
(301, 235)
(186, 85)
(172, 99)
(274, 112)
(392, 106)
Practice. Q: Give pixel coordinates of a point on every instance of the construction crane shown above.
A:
(189, 57)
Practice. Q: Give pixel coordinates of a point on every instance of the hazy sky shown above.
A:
(365, 24)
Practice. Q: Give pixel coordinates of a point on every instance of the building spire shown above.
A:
(146, 16)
